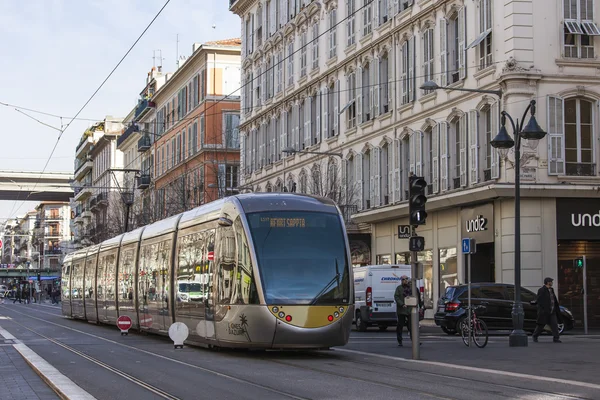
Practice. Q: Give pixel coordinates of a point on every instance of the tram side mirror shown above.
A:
(224, 221)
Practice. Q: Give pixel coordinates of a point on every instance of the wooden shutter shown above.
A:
(359, 180)
(462, 123)
(391, 81)
(376, 174)
(376, 87)
(443, 51)
(462, 43)
(435, 158)
(344, 182)
(359, 113)
(283, 133)
(325, 112)
(556, 136)
(418, 153)
(411, 153)
(397, 160)
(336, 107)
(318, 118)
(474, 147)
(495, 162)
(413, 54)
(444, 156)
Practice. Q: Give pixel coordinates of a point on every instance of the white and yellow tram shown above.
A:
(253, 271)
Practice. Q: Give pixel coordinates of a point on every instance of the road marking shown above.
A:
(475, 369)
(62, 385)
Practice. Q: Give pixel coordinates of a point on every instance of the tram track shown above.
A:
(359, 366)
(130, 377)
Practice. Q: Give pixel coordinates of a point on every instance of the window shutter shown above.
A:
(307, 121)
(419, 153)
(372, 172)
(413, 54)
(462, 43)
(396, 180)
(474, 146)
(318, 118)
(377, 187)
(390, 77)
(396, 6)
(359, 113)
(359, 180)
(265, 28)
(336, 107)
(463, 150)
(435, 158)
(283, 134)
(372, 83)
(556, 136)
(272, 22)
(443, 51)
(344, 183)
(495, 162)
(297, 127)
(326, 112)
(444, 156)
(411, 153)
(376, 87)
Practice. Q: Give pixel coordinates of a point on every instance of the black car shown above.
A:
(498, 301)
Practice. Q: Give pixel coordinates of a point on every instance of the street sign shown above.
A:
(211, 256)
(178, 332)
(469, 246)
(403, 231)
(124, 323)
(416, 243)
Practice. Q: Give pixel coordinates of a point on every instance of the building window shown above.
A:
(232, 132)
(366, 92)
(258, 88)
(384, 87)
(428, 158)
(290, 66)
(259, 27)
(453, 49)
(315, 117)
(428, 55)
(407, 74)
(303, 182)
(485, 30)
(279, 73)
(579, 27)
(367, 17)
(350, 107)
(579, 132)
(332, 33)
(303, 61)
(383, 11)
(333, 95)
(350, 22)
(485, 123)
(386, 173)
(366, 179)
(315, 45)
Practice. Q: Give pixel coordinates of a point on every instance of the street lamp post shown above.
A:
(503, 142)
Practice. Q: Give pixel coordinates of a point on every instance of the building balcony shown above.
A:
(144, 143)
(143, 107)
(84, 146)
(84, 192)
(102, 199)
(52, 233)
(86, 214)
(82, 168)
(143, 181)
(78, 219)
(131, 130)
(93, 203)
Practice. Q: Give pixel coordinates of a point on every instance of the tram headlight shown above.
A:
(281, 314)
(341, 310)
(275, 310)
(336, 314)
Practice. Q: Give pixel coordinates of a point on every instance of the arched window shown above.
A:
(579, 133)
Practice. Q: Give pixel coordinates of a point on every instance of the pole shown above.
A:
(414, 312)
(518, 337)
(585, 308)
(469, 296)
(127, 207)
(29, 276)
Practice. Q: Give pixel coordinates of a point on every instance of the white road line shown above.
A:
(62, 385)
(475, 369)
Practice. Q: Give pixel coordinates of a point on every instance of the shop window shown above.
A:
(383, 259)
(448, 268)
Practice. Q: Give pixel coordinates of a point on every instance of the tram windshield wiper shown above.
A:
(336, 278)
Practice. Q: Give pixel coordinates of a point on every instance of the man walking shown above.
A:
(402, 311)
(548, 311)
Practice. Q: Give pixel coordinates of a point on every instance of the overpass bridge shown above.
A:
(21, 185)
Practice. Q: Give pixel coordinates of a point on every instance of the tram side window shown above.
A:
(101, 278)
(65, 285)
(90, 266)
(76, 284)
(127, 272)
(111, 264)
(243, 290)
(154, 269)
(192, 271)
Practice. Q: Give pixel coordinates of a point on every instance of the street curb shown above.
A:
(65, 388)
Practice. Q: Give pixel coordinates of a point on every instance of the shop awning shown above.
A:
(43, 278)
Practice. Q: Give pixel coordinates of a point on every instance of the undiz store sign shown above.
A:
(478, 223)
(578, 219)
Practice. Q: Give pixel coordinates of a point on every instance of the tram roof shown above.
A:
(161, 227)
(257, 202)
(198, 215)
(132, 236)
(111, 243)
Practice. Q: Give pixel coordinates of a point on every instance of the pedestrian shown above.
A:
(548, 311)
(17, 296)
(402, 310)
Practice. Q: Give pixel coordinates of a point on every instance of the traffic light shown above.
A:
(39, 276)
(579, 262)
(417, 200)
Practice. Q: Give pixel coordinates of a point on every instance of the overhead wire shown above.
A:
(63, 129)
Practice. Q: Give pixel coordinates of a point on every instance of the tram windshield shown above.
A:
(301, 257)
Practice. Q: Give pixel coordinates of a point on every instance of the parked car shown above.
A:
(498, 301)
(3, 291)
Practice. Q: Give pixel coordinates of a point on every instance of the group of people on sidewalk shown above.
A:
(548, 309)
(22, 295)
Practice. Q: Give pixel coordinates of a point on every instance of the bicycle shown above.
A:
(480, 330)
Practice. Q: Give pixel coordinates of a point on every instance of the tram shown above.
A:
(264, 270)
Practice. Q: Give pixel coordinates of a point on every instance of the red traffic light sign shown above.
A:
(124, 323)
(211, 256)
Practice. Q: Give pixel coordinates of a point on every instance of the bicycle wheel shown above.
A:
(480, 333)
(464, 330)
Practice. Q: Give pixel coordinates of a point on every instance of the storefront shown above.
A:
(578, 234)
(478, 223)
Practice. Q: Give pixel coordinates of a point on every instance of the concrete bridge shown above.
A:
(21, 185)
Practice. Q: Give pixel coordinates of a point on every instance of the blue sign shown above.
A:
(468, 246)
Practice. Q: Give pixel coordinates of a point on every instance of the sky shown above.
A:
(55, 53)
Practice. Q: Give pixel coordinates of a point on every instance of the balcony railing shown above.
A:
(102, 199)
(143, 105)
(93, 202)
(143, 181)
(144, 143)
(347, 212)
(581, 169)
(131, 129)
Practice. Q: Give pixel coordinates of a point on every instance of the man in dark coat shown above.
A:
(548, 311)
(402, 311)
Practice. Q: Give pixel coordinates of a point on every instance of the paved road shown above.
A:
(101, 362)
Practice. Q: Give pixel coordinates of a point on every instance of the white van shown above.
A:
(374, 288)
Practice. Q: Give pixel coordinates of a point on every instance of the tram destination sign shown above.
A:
(274, 222)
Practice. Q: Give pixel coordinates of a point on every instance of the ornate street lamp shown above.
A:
(503, 143)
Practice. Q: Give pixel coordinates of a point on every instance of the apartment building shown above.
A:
(52, 235)
(346, 76)
(196, 146)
